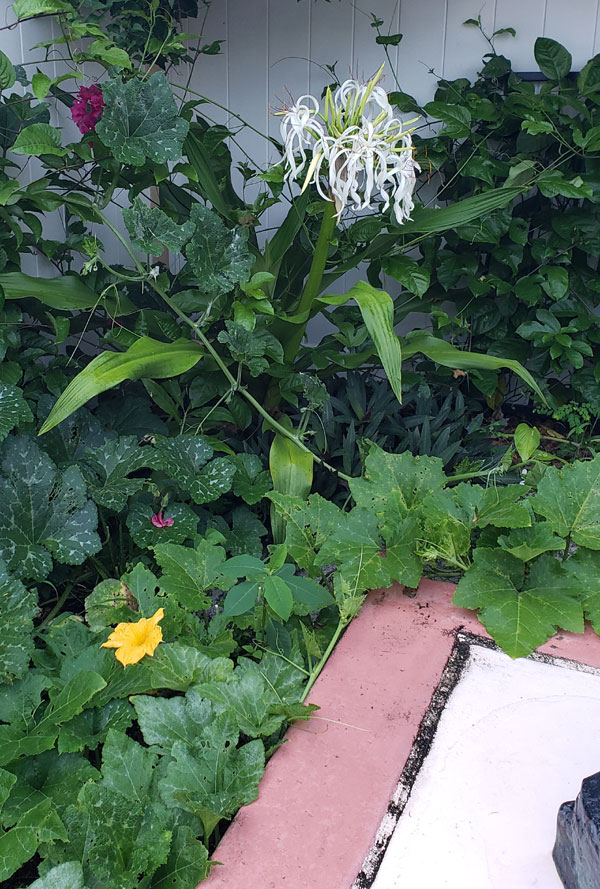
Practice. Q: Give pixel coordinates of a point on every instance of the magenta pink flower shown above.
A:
(159, 521)
(86, 110)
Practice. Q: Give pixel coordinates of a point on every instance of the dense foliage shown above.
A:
(174, 453)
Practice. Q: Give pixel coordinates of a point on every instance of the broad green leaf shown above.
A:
(278, 596)
(64, 876)
(520, 612)
(185, 458)
(7, 72)
(261, 696)
(176, 667)
(145, 534)
(395, 484)
(67, 292)
(553, 59)
(107, 469)
(308, 525)
(127, 767)
(414, 277)
(527, 441)
(40, 84)
(187, 864)
(528, 543)
(151, 230)
(20, 701)
(556, 284)
(7, 780)
(109, 603)
(377, 310)
(163, 721)
(242, 598)
(356, 549)
(71, 699)
(37, 139)
(497, 506)
(17, 845)
(90, 728)
(456, 118)
(218, 256)
(251, 481)
(306, 592)
(189, 573)
(52, 777)
(18, 607)
(141, 120)
(124, 839)
(45, 512)
(215, 783)
(583, 569)
(450, 356)
(27, 8)
(570, 499)
(146, 358)
(291, 470)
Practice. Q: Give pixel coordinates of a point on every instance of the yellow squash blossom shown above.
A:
(135, 640)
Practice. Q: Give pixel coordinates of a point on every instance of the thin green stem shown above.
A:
(317, 670)
(59, 604)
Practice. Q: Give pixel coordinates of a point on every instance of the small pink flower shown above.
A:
(159, 521)
(86, 110)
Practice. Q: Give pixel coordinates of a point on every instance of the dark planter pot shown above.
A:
(577, 848)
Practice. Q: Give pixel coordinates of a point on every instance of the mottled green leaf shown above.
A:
(141, 120)
(89, 729)
(64, 876)
(18, 607)
(13, 409)
(163, 721)
(215, 783)
(127, 767)
(219, 256)
(151, 230)
(108, 468)
(185, 458)
(45, 512)
(251, 480)
(188, 573)
(520, 612)
(570, 499)
(528, 543)
(40, 825)
(176, 667)
(145, 534)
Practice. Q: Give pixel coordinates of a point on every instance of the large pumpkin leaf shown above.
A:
(219, 256)
(45, 513)
(520, 611)
(146, 358)
(215, 782)
(186, 459)
(107, 470)
(18, 607)
(150, 229)
(570, 499)
(141, 120)
(13, 409)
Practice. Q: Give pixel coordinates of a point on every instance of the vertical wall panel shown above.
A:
(528, 21)
(464, 45)
(573, 26)
(417, 56)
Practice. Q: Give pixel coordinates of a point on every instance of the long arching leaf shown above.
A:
(147, 358)
(449, 356)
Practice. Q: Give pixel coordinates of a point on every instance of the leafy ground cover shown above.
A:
(195, 502)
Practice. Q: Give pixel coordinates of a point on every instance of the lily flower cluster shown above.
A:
(358, 147)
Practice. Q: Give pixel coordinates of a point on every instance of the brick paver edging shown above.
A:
(326, 791)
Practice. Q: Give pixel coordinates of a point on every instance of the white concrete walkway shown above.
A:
(515, 741)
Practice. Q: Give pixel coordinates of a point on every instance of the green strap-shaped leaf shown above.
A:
(66, 292)
(377, 310)
(449, 356)
(146, 358)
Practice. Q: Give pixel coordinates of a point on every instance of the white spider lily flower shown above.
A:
(359, 149)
